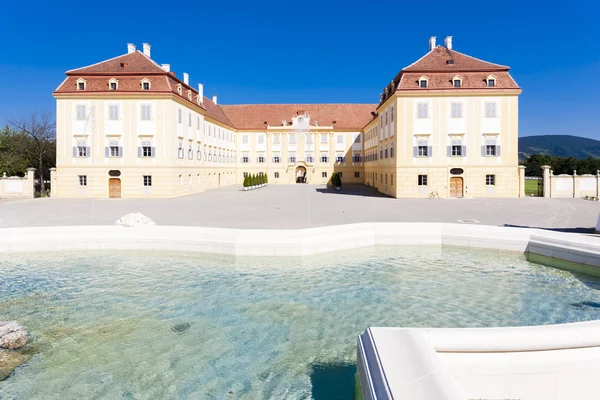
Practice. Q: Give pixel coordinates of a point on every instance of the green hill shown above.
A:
(559, 145)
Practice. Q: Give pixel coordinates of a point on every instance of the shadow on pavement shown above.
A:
(354, 190)
(566, 230)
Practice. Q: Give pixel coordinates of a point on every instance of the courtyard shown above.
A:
(303, 206)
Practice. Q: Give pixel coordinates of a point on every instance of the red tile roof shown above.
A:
(440, 65)
(136, 62)
(437, 61)
(259, 116)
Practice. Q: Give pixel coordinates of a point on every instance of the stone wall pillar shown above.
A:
(547, 183)
(29, 190)
(52, 182)
(521, 181)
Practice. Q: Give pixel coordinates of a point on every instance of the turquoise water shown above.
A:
(129, 325)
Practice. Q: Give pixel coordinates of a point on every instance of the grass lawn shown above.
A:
(533, 187)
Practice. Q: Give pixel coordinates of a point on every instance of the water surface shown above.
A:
(134, 325)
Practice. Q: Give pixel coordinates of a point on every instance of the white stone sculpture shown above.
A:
(135, 219)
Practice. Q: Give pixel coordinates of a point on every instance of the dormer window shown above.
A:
(491, 81)
(179, 88)
(189, 95)
(80, 84)
(113, 84)
(145, 84)
(457, 82)
(423, 82)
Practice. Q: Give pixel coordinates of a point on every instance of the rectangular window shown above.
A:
(490, 110)
(324, 138)
(323, 174)
(146, 85)
(179, 116)
(245, 139)
(356, 157)
(197, 122)
(309, 139)
(276, 174)
(277, 158)
(422, 148)
(82, 180)
(422, 181)
(80, 113)
(190, 119)
(456, 110)
(357, 139)
(113, 112)
(392, 114)
(292, 138)
(339, 158)
(146, 148)
(260, 158)
(292, 157)
(114, 148)
(491, 82)
(190, 150)
(423, 110)
(456, 149)
(340, 139)
(245, 158)
(146, 112)
(490, 147)
(275, 139)
(357, 174)
(324, 158)
(490, 180)
(261, 139)
(309, 157)
(147, 180)
(81, 148)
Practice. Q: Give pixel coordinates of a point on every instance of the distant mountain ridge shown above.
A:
(559, 145)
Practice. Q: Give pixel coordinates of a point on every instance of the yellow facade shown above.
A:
(419, 143)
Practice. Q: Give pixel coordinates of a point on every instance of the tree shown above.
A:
(14, 153)
(41, 130)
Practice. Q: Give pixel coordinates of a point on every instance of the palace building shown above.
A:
(446, 125)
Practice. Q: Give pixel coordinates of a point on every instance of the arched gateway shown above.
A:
(300, 174)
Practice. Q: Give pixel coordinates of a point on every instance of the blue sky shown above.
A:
(310, 51)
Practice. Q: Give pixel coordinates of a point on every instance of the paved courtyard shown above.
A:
(302, 206)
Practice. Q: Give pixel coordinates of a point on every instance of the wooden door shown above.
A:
(114, 188)
(456, 187)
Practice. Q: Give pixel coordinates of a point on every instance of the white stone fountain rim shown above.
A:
(576, 248)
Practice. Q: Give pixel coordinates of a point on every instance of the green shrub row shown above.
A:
(255, 180)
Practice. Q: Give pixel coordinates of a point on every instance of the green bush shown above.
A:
(266, 178)
(246, 181)
(336, 180)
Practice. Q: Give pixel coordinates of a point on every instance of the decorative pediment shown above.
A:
(113, 84)
(80, 84)
(145, 84)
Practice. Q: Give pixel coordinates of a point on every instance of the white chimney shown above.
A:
(186, 78)
(431, 43)
(130, 48)
(215, 98)
(448, 42)
(146, 49)
(166, 67)
(201, 92)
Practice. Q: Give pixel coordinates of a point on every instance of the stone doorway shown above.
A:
(114, 188)
(456, 187)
